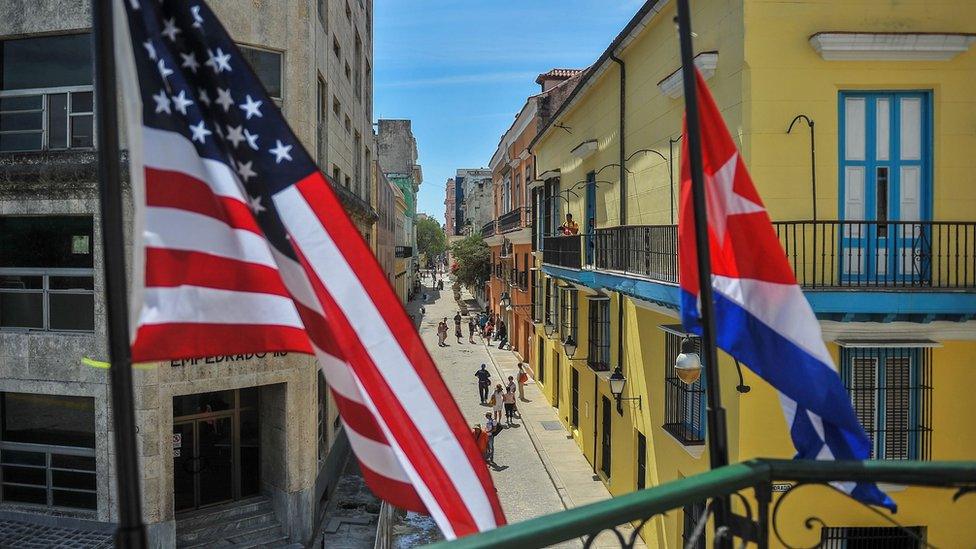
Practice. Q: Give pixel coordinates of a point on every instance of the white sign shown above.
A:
(177, 441)
(782, 486)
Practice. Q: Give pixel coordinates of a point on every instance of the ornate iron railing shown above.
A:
(489, 229)
(562, 251)
(750, 485)
(512, 220)
(872, 254)
(867, 255)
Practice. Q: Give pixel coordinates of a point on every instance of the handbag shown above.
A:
(523, 377)
(491, 401)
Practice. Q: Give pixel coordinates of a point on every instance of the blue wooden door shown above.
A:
(885, 159)
(590, 221)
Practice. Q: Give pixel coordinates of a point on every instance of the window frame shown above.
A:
(640, 472)
(598, 334)
(569, 314)
(281, 71)
(684, 405)
(574, 397)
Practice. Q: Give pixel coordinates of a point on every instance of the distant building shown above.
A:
(384, 236)
(449, 206)
(398, 160)
(476, 201)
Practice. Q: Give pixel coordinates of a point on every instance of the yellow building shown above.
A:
(883, 242)
(401, 254)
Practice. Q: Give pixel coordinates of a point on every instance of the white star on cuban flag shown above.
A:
(243, 249)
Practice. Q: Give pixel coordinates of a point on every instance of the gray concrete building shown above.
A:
(476, 198)
(398, 160)
(240, 450)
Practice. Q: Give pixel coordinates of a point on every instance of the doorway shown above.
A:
(606, 439)
(556, 375)
(590, 221)
(216, 448)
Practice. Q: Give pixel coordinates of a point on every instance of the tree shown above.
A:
(431, 240)
(472, 261)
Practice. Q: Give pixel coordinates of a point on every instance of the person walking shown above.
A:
(484, 382)
(523, 378)
(490, 425)
(502, 334)
(442, 333)
(489, 329)
(481, 440)
(509, 400)
(472, 328)
(457, 332)
(498, 402)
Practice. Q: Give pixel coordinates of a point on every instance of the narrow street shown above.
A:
(538, 468)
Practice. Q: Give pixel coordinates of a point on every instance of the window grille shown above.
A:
(641, 461)
(537, 297)
(692, 514)
(870, 537)
(541, 361)
(598, 357)
(890, 389)
(684, 405)
(569, 298)
(574, 412)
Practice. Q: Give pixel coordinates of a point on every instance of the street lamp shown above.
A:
(550, 328)
(505, 301)
(617, 383)
(688, 364)
(570, 346)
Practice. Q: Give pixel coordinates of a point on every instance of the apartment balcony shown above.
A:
(562, 251)
(403, 251)
(355, 204)
(489, 229)
(514, 220)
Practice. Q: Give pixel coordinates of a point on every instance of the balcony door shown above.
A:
(885, 151)
(590, 220)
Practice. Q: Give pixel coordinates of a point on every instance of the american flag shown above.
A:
(242, 246)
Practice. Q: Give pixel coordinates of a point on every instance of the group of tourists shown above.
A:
(493, 328)
(501, 399)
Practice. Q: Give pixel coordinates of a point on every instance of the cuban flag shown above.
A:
(762, 318)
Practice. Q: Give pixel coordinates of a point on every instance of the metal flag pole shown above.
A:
(131, 532)
(718, 449)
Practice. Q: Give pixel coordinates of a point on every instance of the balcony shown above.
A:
(751, 483)
(490, 229)
(47, 119)
(403, 251)
(825, 255)
(353, 203)
(562, 251)
(513, 220)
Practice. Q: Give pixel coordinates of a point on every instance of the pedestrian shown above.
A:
(472, 328)
(442, 333)
(490, 425)
(509, 400)
(498, 402)
(502, 334)
(484, 382)
(510, 386)
(481, 440)
(489, 329)
(523, 378)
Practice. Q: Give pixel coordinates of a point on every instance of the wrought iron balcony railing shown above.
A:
(513, 220)
(756, 513)
(867, 255)
(403, 251)
(562, 251)
(489, 229)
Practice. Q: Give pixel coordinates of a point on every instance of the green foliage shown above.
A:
(473, 261)
(431, 240)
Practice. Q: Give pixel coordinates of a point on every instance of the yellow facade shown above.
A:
(767, 73)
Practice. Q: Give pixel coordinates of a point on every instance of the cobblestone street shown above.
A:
(538, 470)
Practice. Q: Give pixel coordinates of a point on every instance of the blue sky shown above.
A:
(461, 69)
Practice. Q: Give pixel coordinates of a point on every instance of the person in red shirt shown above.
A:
(481, 440)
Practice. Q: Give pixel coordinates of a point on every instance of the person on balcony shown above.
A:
(569, 227)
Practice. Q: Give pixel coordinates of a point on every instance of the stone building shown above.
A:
(398, 160)
(384, 236)
(233, 447)
(449, 207)
(476, 199)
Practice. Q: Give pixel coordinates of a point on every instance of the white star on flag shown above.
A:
(254, 202)
(170, 30)
(197, 18)
(150, 49)
(219, 62)
(722, 199)
(251, 107)
(224, 99)
(235, 135)
(280, 151)
(203, 97)
(164, 71)
(245, 171)
(162, 102)
(252, 139)
(190, 61)
(180, 102)
(200, 132)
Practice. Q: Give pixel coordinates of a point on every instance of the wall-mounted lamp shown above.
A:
(617, 384)
(549, 328)
(688, 366)
(570, 346)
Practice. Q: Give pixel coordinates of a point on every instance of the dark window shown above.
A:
(323, 121)
(323, 417)
(641, 461)
(692, 516)
(872, 537)
(684, 404)
(358, 81)
(891, 390)
(598, 356)
(47, 450)
(46, 276)
(541, 373)
(607, 438)
(537, 304)
(569, 297)
(46, 62)
(574, 388)
(267, 65)
(336, 48)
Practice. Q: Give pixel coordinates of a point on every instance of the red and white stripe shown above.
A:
(211, 284)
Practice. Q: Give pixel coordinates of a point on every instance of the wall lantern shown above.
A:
(570, 346)
(617, 383)
(688, 364)
(505, 301)
(550, 328)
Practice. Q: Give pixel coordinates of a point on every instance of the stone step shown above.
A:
(226, 527)
(271, 536)
(194, 519)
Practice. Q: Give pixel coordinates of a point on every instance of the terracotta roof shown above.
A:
(557, 73)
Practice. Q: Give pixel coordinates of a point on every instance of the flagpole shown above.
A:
(131, 532)
(718, 449)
